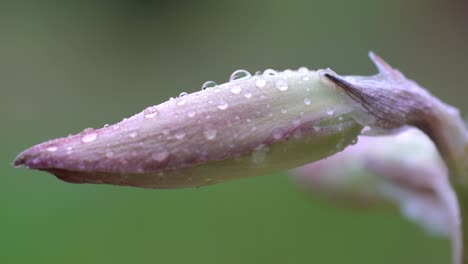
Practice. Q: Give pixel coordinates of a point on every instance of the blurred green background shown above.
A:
(68, 65)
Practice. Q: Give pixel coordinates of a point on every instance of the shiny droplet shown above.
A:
(181, 101)
(180, 134)
(88, 137)
(239, 75)
(247, 94)
(210, 133)
(282, 85)
(222, 105)
(133, 134)
(208, 85)
(52, 148)
(260, 83)
(303, 70)
(330, 112)
(269, 72)
(191, 114)
(160, 155)
(236, 89)
(284, 111)
(277, 134)
(151, 112)
(306, 101)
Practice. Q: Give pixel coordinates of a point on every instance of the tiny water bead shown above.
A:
(88, 135)
(239, 75)
(236, 89)
(160, 155)
(303, 70)
(307, 101)
(52, 148)
(222, 105)
(282, 85)
(284, 111)
(180, 134)
(269, 72)
(210, 133)
(151, 112)
(208, 85)
(133, 134)
(260, 83)
(247, 94)
(330, 112)
(191, 114)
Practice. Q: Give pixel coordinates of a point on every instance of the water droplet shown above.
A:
(151, 112)
(236, 89)
(296, 121)
(208, 85)
(340, 118)
(160, 155)
(88, 137)
(133, 134)
(222, 105)
(115, 127)
(52, 148)
(210, 133)
(191, 114)
(269, 72)
(284, 111)
(239, 75)
(306, 78)
(182, 94)
(306, 101)
(330, 112)
(237, 117)
(277, 134)
(366, 130)
(260, 83)
(180, 134)
(303, 70)
(69, 150)
(247, 94)
(106, 125)
(282, 85)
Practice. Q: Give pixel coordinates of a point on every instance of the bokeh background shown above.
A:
(68, 65)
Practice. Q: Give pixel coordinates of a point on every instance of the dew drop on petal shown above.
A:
(210, 133)
(88, 137)
(277, 133)
(284, 111)
(222, 105)
(191, 114)
(151, 112)
(160, 155)
(303, 70)
(247, 94)
(180, 134)
(52, 148)
(239, 75)
(208, 84)
(236, 89)
(269, 72)
(260, 83)
(282, 85)
(306, 78)
(330, 112)
(133, 134)
(306, 101)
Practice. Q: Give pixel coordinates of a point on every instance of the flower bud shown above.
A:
(252, 125)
